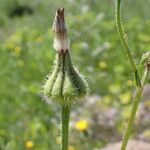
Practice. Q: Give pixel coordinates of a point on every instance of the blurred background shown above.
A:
(26, 57)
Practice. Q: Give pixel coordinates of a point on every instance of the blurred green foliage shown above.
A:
(26, 57)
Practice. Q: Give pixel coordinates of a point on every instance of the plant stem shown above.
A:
(125, 44)
(65, 115)
(136, 75)
(131, 119)
(120, 30)
(144, 76)
(133, 111)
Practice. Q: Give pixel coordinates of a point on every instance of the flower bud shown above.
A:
(64, 84)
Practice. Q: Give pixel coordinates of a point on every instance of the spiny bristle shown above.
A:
(64, 84)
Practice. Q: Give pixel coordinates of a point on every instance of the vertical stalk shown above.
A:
(125, 44)
(139, 85)
(131, 119)
(123, 40)
(133, 111)
(64, 84)
(65, 115)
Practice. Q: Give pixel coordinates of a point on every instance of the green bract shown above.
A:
(64, 84)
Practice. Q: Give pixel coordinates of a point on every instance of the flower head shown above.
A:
(29, 144)
(102, 65)
(81, 125)
(64, 84)
(17, 51)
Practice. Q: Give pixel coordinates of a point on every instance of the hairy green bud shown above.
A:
(64, 84)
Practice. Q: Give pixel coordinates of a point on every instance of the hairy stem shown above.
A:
(65, 115)
(136, 75)
(131, 119)
(133, 111)
(125, 44)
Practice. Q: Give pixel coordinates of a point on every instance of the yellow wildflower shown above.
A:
(29, 144)
(17, 51)
(102, 64)
(20, 63)
(81, 125)
(71, 148)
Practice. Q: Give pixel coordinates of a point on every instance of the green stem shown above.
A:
(144, 76)
(133, 111)
(131, 120)
(125, 44)
(136, 75)
(65, 115)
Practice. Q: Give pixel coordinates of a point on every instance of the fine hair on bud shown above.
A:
(64, 84)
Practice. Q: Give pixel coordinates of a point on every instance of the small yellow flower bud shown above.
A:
(29, 144)
(81, 125)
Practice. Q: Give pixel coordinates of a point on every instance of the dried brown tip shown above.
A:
(59, 26)
(60, 11)
(61, 40)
